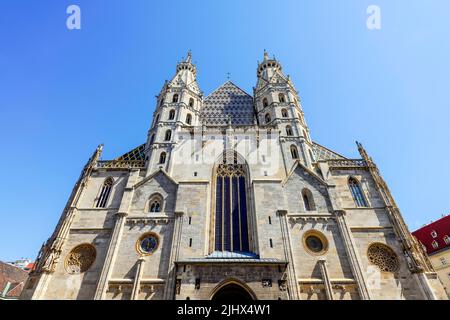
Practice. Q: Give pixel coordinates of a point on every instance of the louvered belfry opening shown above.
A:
(231, 221)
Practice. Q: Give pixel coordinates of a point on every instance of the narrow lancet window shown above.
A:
(168, 135)
(308, 200)
(289, 131)
(294, 152)
(162, 158)
(357, 193)
(189, 119)
(105, 191)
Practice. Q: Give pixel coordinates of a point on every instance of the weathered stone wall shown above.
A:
(213, 276)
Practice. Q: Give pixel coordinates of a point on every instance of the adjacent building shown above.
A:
(12, 281)
(24, 264)
(435, 238)
(229, 196)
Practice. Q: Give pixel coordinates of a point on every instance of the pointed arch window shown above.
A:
(284, 113)
(157, 118)
(189, 119)
(267, 118)
(162, 102)
(308, 200)
(231, 220)
(265, 103)
(281, 98)
(162, 158)
(175, 98)
(168, 135)
(172, 114)
(105, 191)
(294, 152)
(357, 193)
(155, 203)
(191, 102)
(152, 139)
(289, 131)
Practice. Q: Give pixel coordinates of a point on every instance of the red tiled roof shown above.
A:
(29, 266)
(15, 276)
(435, 231)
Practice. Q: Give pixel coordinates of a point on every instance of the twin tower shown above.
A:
(230, 198)
(274, 111)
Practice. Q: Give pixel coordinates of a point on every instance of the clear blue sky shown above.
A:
(64, 92)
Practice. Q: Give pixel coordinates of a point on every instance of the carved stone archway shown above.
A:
(233, 290)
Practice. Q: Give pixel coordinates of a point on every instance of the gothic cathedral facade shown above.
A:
(230, 197)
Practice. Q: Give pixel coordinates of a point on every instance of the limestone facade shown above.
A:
(230, 188)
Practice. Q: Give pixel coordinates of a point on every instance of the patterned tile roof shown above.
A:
(228, 101)
(133, 155)
(323, 153)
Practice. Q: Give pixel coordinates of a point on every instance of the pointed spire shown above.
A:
(186, 70)
(363, 153)
(268, 67)
(189, 56)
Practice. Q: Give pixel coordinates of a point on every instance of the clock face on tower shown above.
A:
(148, 244)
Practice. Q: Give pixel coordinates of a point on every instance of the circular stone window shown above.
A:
(383, 257)
(315, 242)
(147, 243)
(80, 258)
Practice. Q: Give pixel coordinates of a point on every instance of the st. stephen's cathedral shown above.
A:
(229, 197)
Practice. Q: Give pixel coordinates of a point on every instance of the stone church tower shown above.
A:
(230, 197)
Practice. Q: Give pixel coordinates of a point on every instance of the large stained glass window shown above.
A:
(231, 225)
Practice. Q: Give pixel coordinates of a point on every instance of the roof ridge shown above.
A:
(328, 149)
(223, 84)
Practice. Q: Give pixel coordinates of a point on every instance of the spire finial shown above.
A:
(189, 56)
(228, 76)
(266, 55)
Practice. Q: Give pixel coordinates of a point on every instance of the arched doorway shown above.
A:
(232, 292)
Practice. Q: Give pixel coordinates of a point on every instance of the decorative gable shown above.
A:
(228, 102)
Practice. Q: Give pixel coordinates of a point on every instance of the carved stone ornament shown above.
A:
(80, 259)
(383, 257)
